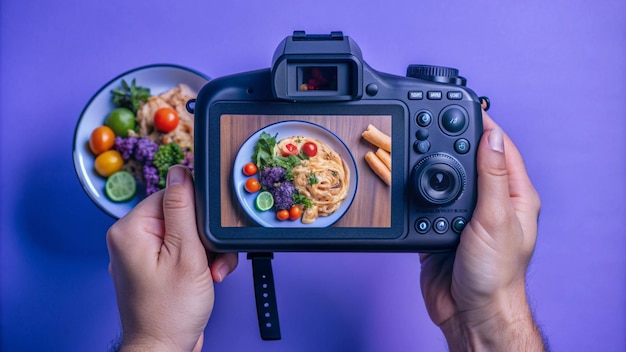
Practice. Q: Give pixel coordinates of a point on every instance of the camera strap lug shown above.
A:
(265, 295)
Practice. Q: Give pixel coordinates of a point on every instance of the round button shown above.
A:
(421, 147)
(462, 146)
(453, 120)
(458, 224)
(422, 225)
(421, 134)
(441, 225)
(424, 118)
(371, 89)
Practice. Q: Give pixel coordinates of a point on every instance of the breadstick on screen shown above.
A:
(377, 138)
(384, 156)
(379, 167)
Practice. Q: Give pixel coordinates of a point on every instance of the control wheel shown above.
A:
(438, 74)
(438, 179)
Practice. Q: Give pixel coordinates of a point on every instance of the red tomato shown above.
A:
(102, 139)
(295, 212)
(166, 119)
(290, 149)
(282, 214)
(252, 185)
(250, 169)
(310, 149)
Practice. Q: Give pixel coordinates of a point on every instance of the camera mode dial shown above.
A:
(437, 74)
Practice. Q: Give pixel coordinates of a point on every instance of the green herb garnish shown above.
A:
(130, 97)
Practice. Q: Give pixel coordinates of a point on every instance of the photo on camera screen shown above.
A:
(301, 171)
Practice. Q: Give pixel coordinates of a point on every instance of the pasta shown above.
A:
(323, 178)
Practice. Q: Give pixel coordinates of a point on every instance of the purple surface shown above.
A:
(556, 75)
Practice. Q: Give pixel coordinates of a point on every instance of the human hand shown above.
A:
(477, 295)
(161, 272)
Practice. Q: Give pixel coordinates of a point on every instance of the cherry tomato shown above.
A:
(108, 163)
(166, 119)
(282, 214)
(102, 139)
(290, 149)
(252, 185)
(310, 149)
(295, 212)
(250, 169)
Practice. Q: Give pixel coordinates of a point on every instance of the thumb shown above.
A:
(493, 181)
(179, 211)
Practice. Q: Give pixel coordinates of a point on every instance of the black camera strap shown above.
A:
(265, 295)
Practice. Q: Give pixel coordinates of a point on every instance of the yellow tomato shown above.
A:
(108, 163)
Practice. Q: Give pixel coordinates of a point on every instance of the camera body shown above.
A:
(319, 89)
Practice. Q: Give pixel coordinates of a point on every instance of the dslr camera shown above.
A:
(320, 152)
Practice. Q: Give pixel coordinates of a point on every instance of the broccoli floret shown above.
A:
(166, 156)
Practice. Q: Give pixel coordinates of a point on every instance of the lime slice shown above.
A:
(264, 201)
(121, 186)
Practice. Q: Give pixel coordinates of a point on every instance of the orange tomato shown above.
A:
(102, 139)
(282, 214)
(108, 163)
(295, 212)
(252, 185)
(250, 169)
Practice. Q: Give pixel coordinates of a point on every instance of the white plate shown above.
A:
(159, 78)
(287, 129)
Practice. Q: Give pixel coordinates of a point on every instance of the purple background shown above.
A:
(556, 75)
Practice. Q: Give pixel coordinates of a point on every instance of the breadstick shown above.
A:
(384, 156)
(379, 167)
(377, 138)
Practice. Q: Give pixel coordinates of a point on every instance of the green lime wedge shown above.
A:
(121, 186)
(264, 201)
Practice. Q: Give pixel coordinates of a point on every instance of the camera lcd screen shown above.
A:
(330, 174)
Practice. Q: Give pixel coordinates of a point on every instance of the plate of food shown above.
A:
(131, 131)
(295, 174)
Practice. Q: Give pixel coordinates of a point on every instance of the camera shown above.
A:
(320, 152)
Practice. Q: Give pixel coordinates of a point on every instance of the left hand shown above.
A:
(161, 272)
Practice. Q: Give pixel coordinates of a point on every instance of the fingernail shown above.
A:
(176, 175)
(221, 271)
(496, 140)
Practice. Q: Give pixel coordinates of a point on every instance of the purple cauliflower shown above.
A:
(126, 146)
(145, 150)
(271, 176)
(282, 193)
(151, 176)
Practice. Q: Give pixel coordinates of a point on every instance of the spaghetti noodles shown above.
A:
(323, 178)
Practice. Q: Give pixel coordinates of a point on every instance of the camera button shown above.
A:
(453, 119)
(416, 95)
(371, 89)
(462, 146)
(421, 147)
(424, 118)
(435, 95)
(421, 134)
(422, 225)
(455, 95)
(458, 224)
(441, 225)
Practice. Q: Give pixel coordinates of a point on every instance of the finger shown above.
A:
(222, 265)
(493, 184)
(520, 185)
(179, 212)
(138, 234)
